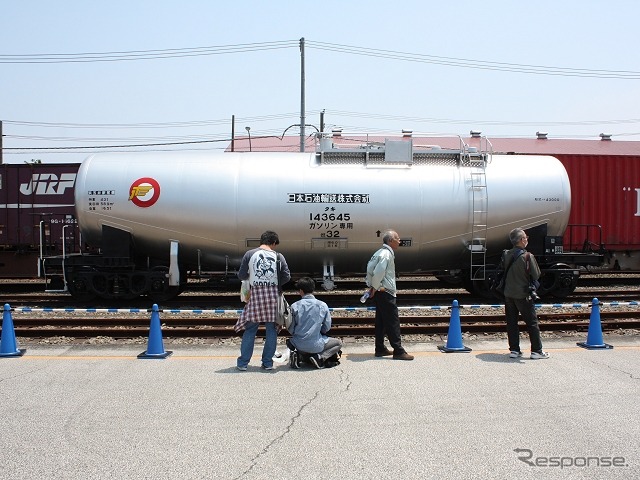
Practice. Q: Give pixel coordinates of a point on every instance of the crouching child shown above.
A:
(311, 322)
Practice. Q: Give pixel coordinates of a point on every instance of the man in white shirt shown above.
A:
(381, 278)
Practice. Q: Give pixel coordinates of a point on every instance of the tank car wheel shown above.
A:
(559, 284)
(99, 284)
(478, 285)
(79, 286)
(159, 289)
(138, 284)
(79, 293)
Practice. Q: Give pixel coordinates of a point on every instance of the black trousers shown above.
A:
(526, 308)
(387, 322)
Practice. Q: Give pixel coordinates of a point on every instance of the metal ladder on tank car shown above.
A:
(479, 204)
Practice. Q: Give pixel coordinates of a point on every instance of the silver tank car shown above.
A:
(330, 209)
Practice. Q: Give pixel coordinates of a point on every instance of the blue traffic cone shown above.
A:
(454, 337)
(155, 347)
(8, 342)
(594, 335)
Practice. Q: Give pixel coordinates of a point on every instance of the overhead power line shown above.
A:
(137, 145)
(476, 64)
(291, 115)
(119, 142)
(146, 54)
(133, 55)
(190, 124)
(193, 142)
(528, 123)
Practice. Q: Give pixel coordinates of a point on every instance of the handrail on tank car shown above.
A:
(323, 142)
(586, 245)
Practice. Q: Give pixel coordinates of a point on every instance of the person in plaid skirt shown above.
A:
(260, 266)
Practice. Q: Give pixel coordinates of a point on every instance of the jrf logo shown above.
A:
(48, 184)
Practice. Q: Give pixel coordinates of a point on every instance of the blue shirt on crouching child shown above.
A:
(311, 322)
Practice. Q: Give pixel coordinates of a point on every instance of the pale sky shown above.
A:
(507, 68)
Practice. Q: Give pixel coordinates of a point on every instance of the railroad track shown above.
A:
(605, 279)
(336, 299)
(218, 320)
(209, 325)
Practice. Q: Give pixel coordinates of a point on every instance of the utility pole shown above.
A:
(233, 133)
(302, 106)
(1, 150)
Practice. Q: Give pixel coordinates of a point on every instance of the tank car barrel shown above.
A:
(189, 211)
(324, 213)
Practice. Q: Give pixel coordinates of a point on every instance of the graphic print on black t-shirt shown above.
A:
(264, 269)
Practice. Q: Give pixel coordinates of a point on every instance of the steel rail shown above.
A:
(222, 327)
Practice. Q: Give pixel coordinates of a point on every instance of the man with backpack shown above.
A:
(522, 273)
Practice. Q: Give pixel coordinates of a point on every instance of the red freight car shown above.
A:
(605, 190)
(36, 203)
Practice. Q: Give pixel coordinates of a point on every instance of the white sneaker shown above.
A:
(515, 354)
(539, 355)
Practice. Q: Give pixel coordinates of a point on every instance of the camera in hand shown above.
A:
(533, 294)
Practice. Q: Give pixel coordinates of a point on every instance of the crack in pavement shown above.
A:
(254, 460)
(343, 380)
(632, 376)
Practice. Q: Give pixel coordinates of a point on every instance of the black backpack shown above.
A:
(497, 283)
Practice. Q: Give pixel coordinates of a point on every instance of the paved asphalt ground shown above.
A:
(84, 412)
